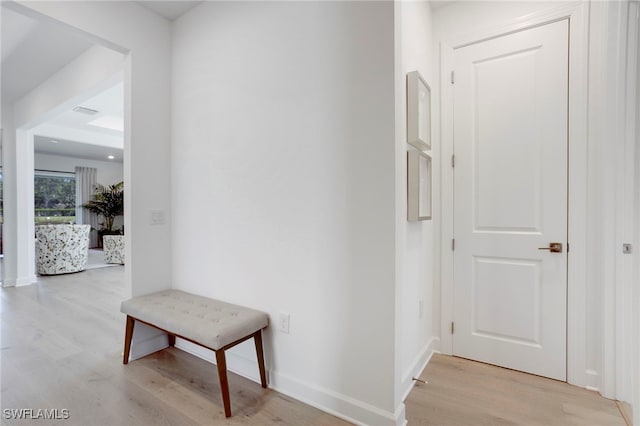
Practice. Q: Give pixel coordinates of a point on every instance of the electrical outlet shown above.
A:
(283, 322)
(420, 308)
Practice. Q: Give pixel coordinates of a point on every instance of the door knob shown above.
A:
(553, 248)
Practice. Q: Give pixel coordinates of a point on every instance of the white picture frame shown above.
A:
(418, 111)
(419, 176)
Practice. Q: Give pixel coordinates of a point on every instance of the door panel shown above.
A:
(510, 143)
(516, 280)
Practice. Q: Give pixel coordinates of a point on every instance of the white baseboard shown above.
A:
(146, 340)
(342, 406)
(415, 370)
(593, 380)
(31, 279)
(401, 415)
(339, 405)
(19, 282)
(236, 363)
(417, 366)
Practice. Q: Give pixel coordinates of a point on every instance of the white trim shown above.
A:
(577, 225)
(53, 174)
(20, 281)
(634, 9)
(240, 365)
(142, 348)
(415, 370)
(612, 126)
(401, 415)
(577, 13)
(28, 280)
(446, 177)
(592, 380)
(633, 139)
(627, 31)
(146, 340)
(417, 367)
(558, 12)
(339, 405)
(625, 184)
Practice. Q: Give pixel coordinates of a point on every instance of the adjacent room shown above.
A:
(77, 143)
(69, 174)
(322, 213)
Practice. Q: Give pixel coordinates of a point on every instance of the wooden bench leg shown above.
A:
(172, 339)
(128, 334)
(221, 361)
(257, 339)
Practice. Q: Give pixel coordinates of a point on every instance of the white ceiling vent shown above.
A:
(83, 110)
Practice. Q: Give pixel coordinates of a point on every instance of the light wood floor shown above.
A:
(463, 392)
(61, 346)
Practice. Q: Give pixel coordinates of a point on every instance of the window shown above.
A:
(54, 197)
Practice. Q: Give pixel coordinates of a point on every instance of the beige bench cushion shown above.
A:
(210, 322)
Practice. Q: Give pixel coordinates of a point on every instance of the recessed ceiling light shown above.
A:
(84, 110)
(111, 157)
(52, 141)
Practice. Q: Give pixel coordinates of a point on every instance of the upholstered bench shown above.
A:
(206, 322)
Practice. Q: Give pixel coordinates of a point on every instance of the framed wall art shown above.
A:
(418, 111)
(418, 186)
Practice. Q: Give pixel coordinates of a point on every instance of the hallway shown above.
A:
(464, 392)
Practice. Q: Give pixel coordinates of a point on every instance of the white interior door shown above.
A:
(511, 144)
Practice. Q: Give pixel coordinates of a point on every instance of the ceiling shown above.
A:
(438, 4)
(62, 134)
(32, 51)
(171, 10)
(47, 145)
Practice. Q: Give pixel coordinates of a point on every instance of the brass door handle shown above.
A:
(553, 248)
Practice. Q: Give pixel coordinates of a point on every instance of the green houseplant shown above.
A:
(107, 202)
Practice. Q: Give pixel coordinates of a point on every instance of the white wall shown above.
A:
(9, 233)
(283, 187)
(636, 240)
(416, 273)
(459, 20)
(633, 206)
(107, 172)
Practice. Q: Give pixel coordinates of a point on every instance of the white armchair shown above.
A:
(113, 248)
(61, 249)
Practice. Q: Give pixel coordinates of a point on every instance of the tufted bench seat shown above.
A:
(206, 322)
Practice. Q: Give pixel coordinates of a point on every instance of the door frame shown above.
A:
(578, 15)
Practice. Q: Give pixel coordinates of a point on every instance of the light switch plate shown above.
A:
(157, 217)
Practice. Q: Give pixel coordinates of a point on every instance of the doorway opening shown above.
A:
(79, 127)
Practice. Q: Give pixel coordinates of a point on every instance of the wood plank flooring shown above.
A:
(61, 348)
(463, 392)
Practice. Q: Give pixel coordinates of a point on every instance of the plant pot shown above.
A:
(104, 232)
